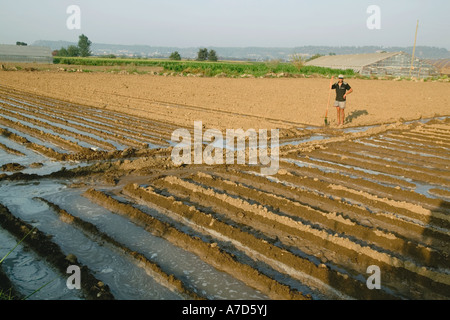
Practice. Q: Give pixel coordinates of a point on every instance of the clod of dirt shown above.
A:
(71, 258)
(12, 167)
(36, 165)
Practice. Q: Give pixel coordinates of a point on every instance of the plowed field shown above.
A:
(99, 188)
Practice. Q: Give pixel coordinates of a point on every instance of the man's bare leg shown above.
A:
(342, 116)
(338, 115)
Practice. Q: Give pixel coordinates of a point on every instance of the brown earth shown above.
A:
(335, 207)
(233, 103)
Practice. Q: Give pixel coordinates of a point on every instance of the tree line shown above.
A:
(83, 49)
(202, 55)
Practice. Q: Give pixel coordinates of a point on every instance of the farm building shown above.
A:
(14, 53)
(378, 64)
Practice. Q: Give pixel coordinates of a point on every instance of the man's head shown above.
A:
(341, 78)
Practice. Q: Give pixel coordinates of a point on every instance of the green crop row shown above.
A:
(256, 69)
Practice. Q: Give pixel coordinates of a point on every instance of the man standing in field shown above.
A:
(342, 90)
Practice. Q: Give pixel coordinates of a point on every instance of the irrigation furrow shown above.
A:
(393, 193)
(387, 179)
(11, 150)
(395, 155)
(365, 255)
(51, 252)
(330, 220)
(316, 198)
(82, 137)
(46, 151)
(387, 162)
(428, 137)
(385, 202)
(387, 167)
(44, 136)
(207, 252)
(90, 230)
(109, 131)
(422, 140)
(153, 132)
(259, 248)
(64, 120)
(421, 149)
(57, 103)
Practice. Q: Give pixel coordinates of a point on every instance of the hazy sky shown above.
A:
(239, 23)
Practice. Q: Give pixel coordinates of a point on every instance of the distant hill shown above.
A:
(245, 53)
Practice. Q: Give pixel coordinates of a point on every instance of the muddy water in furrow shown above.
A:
(119, 272)
(28, 272)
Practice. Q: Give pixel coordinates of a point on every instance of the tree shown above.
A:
(84, 45)
(73, 51)
(175, 56)
(202, 54)
(63, 52)
(19, 43)
(212, 55)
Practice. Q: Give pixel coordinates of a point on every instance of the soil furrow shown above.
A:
(378, 216)
(357, 252)
(395, 155)
(114, 118)
(44, 136)
(422, 140)
(107, 146)
(210, 254)
(402, 146)
(51, 252)
(11, 150)
(428, 177)
(268, 252)
(330, 220)
(367, 176)
(167, 280)
(110, 132)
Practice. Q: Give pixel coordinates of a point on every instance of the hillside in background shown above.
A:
(245, 53)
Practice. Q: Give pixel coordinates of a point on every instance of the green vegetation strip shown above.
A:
(256, 69)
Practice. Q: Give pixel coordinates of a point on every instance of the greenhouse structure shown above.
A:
(397, 64)
(15, 53)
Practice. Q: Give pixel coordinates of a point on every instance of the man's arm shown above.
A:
(348, 92)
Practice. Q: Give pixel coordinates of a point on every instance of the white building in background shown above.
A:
(14, 53)
(397, 64)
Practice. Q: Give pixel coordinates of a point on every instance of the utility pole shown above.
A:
(414, 49)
